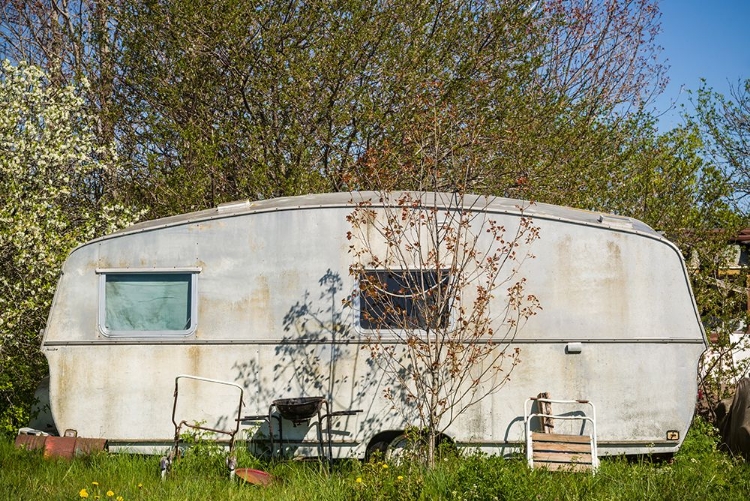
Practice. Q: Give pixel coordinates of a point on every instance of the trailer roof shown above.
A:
(440, 200)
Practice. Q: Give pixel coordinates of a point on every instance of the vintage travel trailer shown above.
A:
(253, 294)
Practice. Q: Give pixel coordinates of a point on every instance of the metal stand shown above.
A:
(328, 417)
(301, 411)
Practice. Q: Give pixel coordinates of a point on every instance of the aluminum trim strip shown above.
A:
(180, 341)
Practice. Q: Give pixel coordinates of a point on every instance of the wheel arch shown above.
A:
(381, 440)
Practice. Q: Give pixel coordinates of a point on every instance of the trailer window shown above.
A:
(134, 304)
(401, 299)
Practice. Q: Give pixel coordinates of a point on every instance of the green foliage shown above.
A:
(49, 202)
(724, 126)
(292, 98)
(229, 99)
(199, 452)
(725, 122)
(701, 440)
(697, 472)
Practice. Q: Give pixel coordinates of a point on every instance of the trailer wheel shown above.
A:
(404, 448)
(397, 445)
(376, 451)
(410, 448)
(378, 446)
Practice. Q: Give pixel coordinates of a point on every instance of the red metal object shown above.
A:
(86, 446)
(61, 447)
(252, 476)
(30, 442)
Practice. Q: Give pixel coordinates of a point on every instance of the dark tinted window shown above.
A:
(397, 299)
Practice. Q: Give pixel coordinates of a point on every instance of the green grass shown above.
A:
(698, 472)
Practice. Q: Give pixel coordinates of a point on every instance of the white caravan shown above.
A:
(251, 293)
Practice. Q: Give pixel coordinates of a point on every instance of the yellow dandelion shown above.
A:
(140, 486)
(119, 498)
(400, 477)
(110, 494)
(359, 480)
(83, 493)
(95, 483)
(385, 466)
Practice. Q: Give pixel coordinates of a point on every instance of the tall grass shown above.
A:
(697, 472)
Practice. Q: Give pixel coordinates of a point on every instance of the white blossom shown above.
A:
(50, 163)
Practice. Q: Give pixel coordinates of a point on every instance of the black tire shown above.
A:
(377, 450)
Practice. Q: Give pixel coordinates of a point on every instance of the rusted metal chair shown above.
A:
(166, 461)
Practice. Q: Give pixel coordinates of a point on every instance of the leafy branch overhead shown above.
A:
(229, 100)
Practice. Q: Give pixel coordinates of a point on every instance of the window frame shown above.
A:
(103, 273)
(361, 301)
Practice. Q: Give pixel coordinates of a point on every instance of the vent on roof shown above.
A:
(615, 221)
(233, 206)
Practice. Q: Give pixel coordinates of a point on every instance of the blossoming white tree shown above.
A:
(50, 201)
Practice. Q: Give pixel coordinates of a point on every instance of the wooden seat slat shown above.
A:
(554, 437)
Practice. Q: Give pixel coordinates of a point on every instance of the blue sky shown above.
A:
(702, 39)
